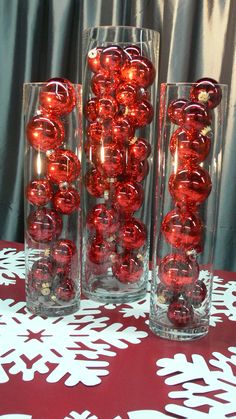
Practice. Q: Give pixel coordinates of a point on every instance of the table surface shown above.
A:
(103, 362)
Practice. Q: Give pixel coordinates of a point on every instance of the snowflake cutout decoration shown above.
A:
(12, 266)
(85, 415)
(89, 339)
(215, 388)
(224, 298)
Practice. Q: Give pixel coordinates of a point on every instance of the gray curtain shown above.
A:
(40, 39)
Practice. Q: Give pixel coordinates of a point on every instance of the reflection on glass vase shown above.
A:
(187, 192)
(119, 96)
(52, 119)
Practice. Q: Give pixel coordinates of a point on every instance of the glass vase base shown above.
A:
(180, 334)
(55, 311)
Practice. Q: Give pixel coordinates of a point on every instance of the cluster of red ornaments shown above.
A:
(189, 186)
(117, 159)
(52, 193)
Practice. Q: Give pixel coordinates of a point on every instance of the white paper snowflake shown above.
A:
(12, 266)
(77, 345)
(146, 414)
(215, 389)
(224, 298)
(85, 415)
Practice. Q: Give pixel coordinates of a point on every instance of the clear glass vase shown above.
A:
(120, 72)
(53, 131)
(191, 132)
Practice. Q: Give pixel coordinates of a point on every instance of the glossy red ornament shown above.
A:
(180, 313)
(57, 96)
(206, 90)
(139, 70)
(66, 290)
(177, 271)
(63, 251)
(132, 234)
(132, 51)
(103, 220)
(93, 59)
(195, 116)
(107, 107)
(189, 146)
(128, 196)
(109, 159)
(99, 250)
(66, 201)
(112, 58)
(139, 114)
(104, 84)
(127, 268)
(127, 94)
(44, 225)
(63, 166)
(139, 149)
(96, 183)
(190, 186)
(39, 192)
(45, 133)
(175, 109)
(196, 294)
(91, 109)
(121, 129)
(137, 170)
(98, 132)
(182, 230)
(42, 270)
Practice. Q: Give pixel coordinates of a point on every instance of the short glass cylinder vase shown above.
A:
(119, 96)
(191, 132)
(52, 179)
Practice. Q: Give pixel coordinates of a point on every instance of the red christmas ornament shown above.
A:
(127, 94)
(104, 84)
(139, 149)
(42, 271)
(63, 251)
(57, 96)
(63, 166)
(107, 107)
(196, 294)
(180, 313)
(132, 234)
(109, 159)
(44, 225)
(97, 132)
(190, 186)
(112, 58)
(39, 192)
(175, 109)
(99, 250)
(103, 220)
(96, 183)
(128, 196)
(137, 170)
(122, 130)
(177, 271)
(45, 133)
(128, 268)
(132, 51)
(182, 230)
(66, 290)
(189, 146)
(207, 91)
(139, 70)
(66, 201)
(139, 114)
(93, 59)
(91, 109)
(195, 116)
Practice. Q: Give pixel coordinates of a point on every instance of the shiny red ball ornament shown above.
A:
(127, 94)
(137, 170)
(189, 146)
(66, 201)
(183, 230)
(177, 271)
(190, 185)
(93, 59)
(91, 109)
(195, 116)
(57, 96)
(175, 109)
(39, 192)
(132, 51)
(44, 225)
(99, 250)
(112, 58)
(96, 184)
(103, 84)
(42, 270)
(109, 159)
(103, 220)
(196, 294)
(207, 91)
(180, 313)
(63, 251)
(139, 149)
(132, 234)
(139, 70)
(139, 114)
(128, 196)
(63, 166)
(107, 107)
(66, 290)
(98, 132)
(122, 130)
(45, 133)
(127, 268)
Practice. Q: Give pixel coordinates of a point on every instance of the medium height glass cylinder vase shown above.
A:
(53, 131)
(119, 95)
(191, 132)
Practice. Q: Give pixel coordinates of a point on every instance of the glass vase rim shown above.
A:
(120, 26)
(182, 83)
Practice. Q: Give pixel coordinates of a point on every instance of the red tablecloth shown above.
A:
(103, 362)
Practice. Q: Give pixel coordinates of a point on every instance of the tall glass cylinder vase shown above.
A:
(192, 118)
(119, 95)
(53, 130)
